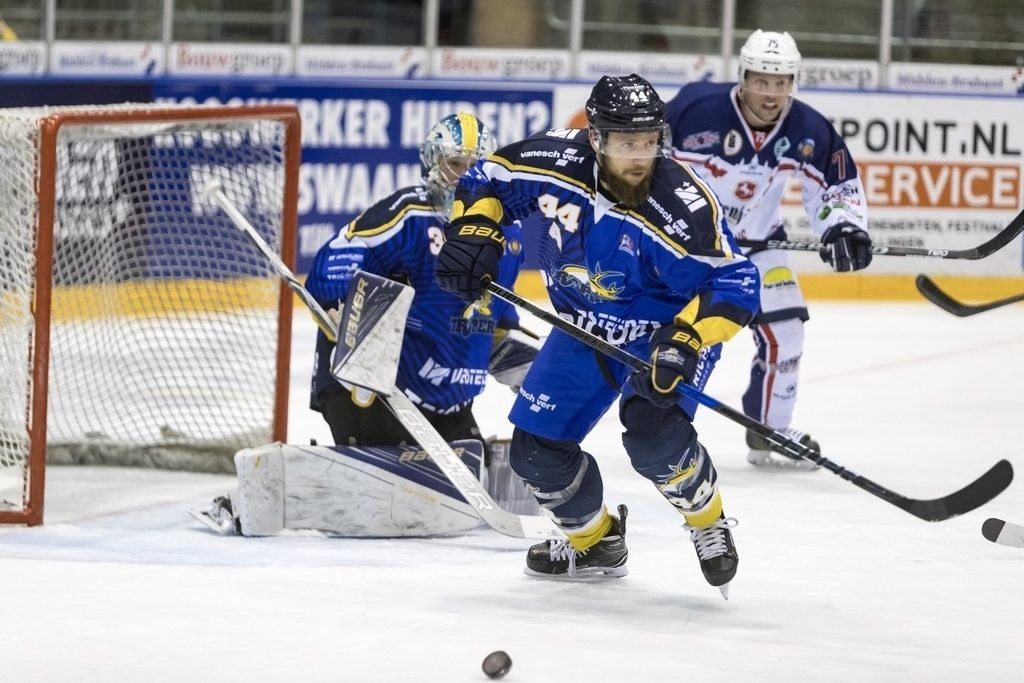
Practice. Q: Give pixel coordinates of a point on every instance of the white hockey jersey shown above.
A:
(749, 169)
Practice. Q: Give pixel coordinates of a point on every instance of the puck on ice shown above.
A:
(497, 664)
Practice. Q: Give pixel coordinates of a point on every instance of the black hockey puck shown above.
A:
(497, 664)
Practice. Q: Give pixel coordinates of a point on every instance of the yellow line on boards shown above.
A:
(855, 286)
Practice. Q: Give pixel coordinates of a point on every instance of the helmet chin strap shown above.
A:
(755, 120)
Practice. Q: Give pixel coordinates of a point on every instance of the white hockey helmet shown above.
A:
(770, 52)
(452, 146)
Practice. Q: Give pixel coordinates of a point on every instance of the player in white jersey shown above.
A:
(747, 140)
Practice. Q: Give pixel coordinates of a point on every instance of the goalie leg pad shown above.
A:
(352, 491)
(259, 502)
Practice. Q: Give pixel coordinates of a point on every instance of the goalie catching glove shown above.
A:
(675, 352)
(468, 259)
(848, 247)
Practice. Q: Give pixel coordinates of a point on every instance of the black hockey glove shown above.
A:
(849, 247)
(675, 351)
(469, 256)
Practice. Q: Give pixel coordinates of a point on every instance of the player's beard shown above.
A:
(627, 193)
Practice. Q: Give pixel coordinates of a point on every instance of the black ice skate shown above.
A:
(559, 560)
(763, 454)
(716, 552)
(220, 516)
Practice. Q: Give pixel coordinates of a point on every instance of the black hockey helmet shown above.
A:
(625, 103)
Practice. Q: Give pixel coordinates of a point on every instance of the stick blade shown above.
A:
(929, 290)
(991, 528)
(974, 495)
(1003, 533)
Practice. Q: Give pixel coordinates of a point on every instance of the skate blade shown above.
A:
(774, 461)
(224, 529)
(724, 588)
(582, 575)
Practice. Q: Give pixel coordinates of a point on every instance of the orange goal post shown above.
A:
(138, 326)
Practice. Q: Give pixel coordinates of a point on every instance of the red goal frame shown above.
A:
(50, 127)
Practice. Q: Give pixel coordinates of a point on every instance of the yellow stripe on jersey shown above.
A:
(712, 329)
(384, 227)
(470, 131)
(716, 213)
(521, 168)
(658, 232)
(488, 206)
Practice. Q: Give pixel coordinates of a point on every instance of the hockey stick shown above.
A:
(975, 494)
(502, 521)
(212, 191)
(931, 291)
(1004, 237)
(1003, 532)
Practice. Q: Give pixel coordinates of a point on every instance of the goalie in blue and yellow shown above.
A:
(448, 345)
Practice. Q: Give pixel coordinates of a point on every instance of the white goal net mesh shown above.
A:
(163, 336)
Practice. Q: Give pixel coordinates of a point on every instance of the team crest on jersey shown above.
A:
(781, 147)
(475, 318)
(626, 245)
(733, 143)
(745, 189)
(705, 138)
(779, 276)
(599, 286)
(806, 148)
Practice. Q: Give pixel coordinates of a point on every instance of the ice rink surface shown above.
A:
(120, 584)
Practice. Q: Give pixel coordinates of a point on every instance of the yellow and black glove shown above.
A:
(675, 352)
(469, 256)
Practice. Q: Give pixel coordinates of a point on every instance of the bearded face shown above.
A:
(630, 186)
(626, 163)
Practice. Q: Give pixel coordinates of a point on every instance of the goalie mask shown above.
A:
(452, 146)
(627, 104)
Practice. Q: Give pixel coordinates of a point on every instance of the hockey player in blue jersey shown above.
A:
(448, 345)
(746, 140)
(633, 247)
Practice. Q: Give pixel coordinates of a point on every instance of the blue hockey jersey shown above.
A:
(447, 344)
(749, 169)
(615, 271)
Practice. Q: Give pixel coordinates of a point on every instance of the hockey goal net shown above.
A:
(137, 324)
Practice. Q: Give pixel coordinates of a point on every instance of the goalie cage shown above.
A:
(137, 325)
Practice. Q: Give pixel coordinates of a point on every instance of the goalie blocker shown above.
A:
(361, 491)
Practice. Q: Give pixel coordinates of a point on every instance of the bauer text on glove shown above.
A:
(675, 352)
(469, 256)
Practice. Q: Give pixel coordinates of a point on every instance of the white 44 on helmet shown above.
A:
(769, 52)
(452, 146)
